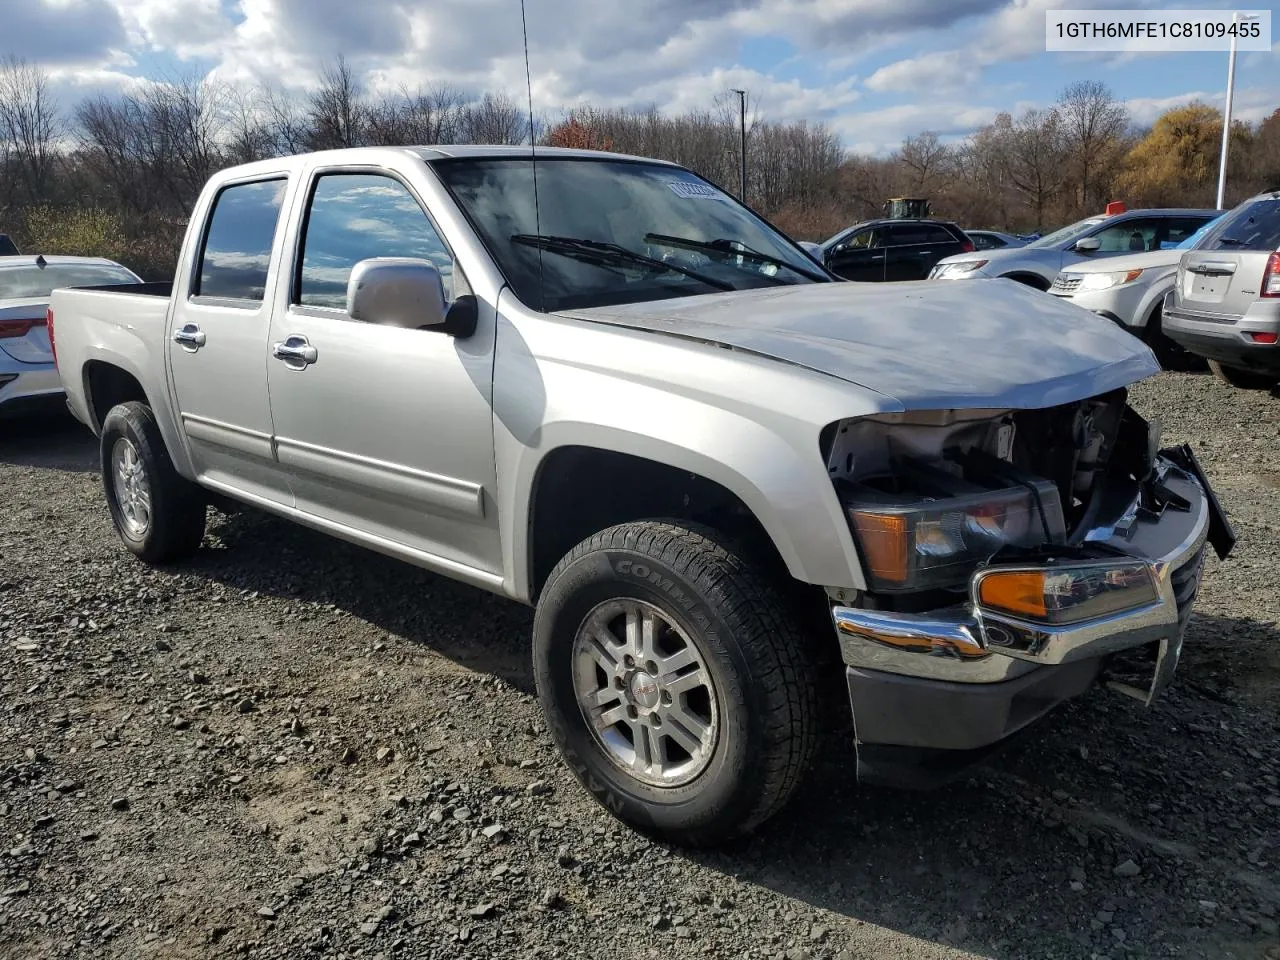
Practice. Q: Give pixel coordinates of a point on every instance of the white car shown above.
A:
(1130, 290)
(28, 378)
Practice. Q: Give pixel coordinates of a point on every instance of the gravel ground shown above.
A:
(291, 747)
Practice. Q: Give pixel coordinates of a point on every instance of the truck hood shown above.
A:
(928, 346)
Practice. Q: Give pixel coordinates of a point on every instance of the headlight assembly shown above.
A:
(938, 543)
(1105, 281)
(960, 268)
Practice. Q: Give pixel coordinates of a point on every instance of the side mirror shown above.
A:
(1088, 245)
(396, 292)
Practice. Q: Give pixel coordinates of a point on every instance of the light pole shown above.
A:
(1226, 113)
(742, 126)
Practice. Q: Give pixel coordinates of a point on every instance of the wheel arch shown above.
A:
(1028, 278)
(603, 477)
(108, 378)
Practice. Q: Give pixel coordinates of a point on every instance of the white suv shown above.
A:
(1225, 305)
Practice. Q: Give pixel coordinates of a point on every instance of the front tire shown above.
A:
(1242, 379)
(675, 682)
(158, 514)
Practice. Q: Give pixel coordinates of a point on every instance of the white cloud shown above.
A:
(675, 54)
(931, 71)
(1250, 104)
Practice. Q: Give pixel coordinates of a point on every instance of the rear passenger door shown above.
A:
(218, 338)
(914, 248)
(387, 432)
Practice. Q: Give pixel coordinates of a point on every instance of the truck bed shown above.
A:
(123, 325)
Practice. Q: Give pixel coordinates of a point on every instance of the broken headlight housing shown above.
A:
(925, 528)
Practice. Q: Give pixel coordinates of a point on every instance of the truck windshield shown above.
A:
(607, 232)
(31, 282)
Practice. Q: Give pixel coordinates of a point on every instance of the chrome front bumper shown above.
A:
(968, 644)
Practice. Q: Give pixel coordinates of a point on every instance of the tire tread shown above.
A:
(777, 654)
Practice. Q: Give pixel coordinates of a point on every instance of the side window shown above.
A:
(982, 241)
(1178, 230)
(902, 235)
(865, 240)
(935, 234)
(355, 216)
(1130, 236)
(237, 242)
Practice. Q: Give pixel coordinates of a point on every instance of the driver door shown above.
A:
(387, 432)
(860, 257)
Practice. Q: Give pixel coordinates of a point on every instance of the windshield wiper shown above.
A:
(728, 247)
(610, 254)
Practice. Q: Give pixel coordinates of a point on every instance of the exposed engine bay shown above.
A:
(931, 495)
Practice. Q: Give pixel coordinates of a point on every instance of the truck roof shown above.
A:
(362, 155)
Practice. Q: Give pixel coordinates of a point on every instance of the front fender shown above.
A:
(768, 455)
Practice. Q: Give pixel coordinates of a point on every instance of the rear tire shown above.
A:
(158, 514)
(1242, 379)
(724, 659)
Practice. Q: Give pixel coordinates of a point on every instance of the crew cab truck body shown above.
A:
(737, 490)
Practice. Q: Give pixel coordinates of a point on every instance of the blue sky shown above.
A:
(874, 70)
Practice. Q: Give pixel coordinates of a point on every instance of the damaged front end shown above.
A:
(1009, 557)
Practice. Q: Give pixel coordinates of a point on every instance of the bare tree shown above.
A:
(30, 127)
(1036, 157)
(248, 126)
(925, 156)
(495, 118)
(337, 113)
(1093, 124)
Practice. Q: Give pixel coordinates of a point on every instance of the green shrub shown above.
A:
(88, 232)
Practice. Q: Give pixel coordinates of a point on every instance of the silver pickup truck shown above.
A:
(749, 501)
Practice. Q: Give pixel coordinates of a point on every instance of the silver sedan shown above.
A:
(28, 377)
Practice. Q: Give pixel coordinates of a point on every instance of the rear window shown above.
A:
(1254, 225)
(36, 283)
(237, 246)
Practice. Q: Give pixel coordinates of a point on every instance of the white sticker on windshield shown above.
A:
(689, 190)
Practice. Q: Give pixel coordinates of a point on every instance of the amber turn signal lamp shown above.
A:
(1017, 592)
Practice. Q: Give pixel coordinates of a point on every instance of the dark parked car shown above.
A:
(994, 239)
(892, 249)
(7, 247)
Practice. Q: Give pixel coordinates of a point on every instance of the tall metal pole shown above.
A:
(1226, 116)
(741, 106)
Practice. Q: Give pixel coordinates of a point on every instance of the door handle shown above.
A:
(190, 336)
(876, 256)
(924, 253)
(296, 352)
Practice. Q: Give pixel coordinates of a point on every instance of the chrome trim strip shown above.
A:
(392, 479)
(228, 436)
